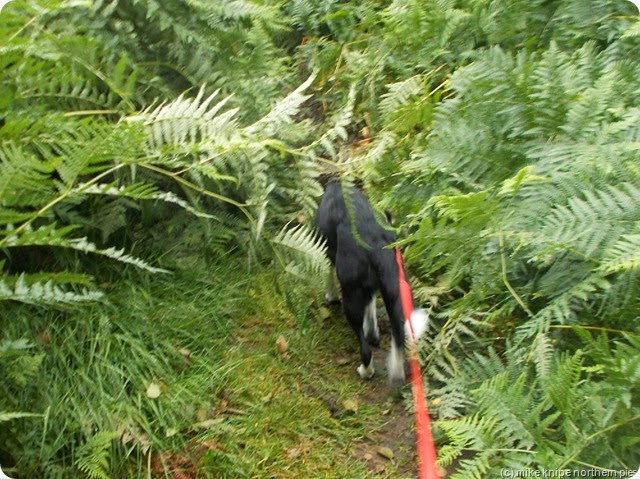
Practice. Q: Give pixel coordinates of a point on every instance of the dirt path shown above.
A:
(300, 406)
(388, 447)
(393, 433)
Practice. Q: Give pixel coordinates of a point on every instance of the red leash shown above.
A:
(425, 446)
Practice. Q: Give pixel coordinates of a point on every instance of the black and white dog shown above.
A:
(358, 246)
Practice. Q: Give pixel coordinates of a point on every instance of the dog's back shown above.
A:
(358, 246)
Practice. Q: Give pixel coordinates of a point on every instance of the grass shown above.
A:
(181, 377)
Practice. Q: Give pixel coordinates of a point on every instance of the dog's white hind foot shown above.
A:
(395, 365)
(366, 372)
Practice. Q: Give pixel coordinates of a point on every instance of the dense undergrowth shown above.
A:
(115, 381)
(136, 136)
(179, 376)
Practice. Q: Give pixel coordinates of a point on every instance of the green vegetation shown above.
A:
(182, 374)
(155, 157)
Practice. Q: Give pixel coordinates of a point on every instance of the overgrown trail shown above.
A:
(297, 407)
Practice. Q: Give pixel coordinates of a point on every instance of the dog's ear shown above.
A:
(359, 183)
(327, 177)
(324, 179)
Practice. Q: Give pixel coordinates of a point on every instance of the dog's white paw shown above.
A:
(395, 365)
(366, 372)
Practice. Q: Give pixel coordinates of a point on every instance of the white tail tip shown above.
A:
(419, 322)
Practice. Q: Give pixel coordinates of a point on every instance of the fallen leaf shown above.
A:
(386, 452)
(212, 445)
(154, 391)
(293, 453)
(132, 436)
(342, 360)
(208, 423)
(223, 405)
(282, 345)
(201, 414)
(43, 337)
(350, 405)
(324, 313)
(380, 468)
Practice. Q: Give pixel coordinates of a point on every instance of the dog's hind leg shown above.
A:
(371, 331)
(395, 363)
(390, 290)
(395, 360)
(355, 303)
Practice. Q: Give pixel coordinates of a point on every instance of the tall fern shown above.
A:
(505, 135)
(83, 148)
(517, 420)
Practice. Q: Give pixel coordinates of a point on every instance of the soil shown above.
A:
(394, 440)
(389, 450)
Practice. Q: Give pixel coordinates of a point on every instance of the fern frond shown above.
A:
(541, 355)
(474, 207)
(561, 385)
(453, 399)
(22, 177)
(465, 434)
(633, 31)
(476, 468)
(438, 354)
(623, 255)
(93, 455)
(141, 191)
(82, 94)
(186, 122)
(337, 133)
(237, 9)
(42, 293)
(508, 412)
(563, 308)
(399, 93)
(51, 235)
(282, 112)
(589, 224)
(87, 148)
(484, 366)
(303, 251)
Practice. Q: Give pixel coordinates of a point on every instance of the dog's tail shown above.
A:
(417, 324)
(416, 320)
